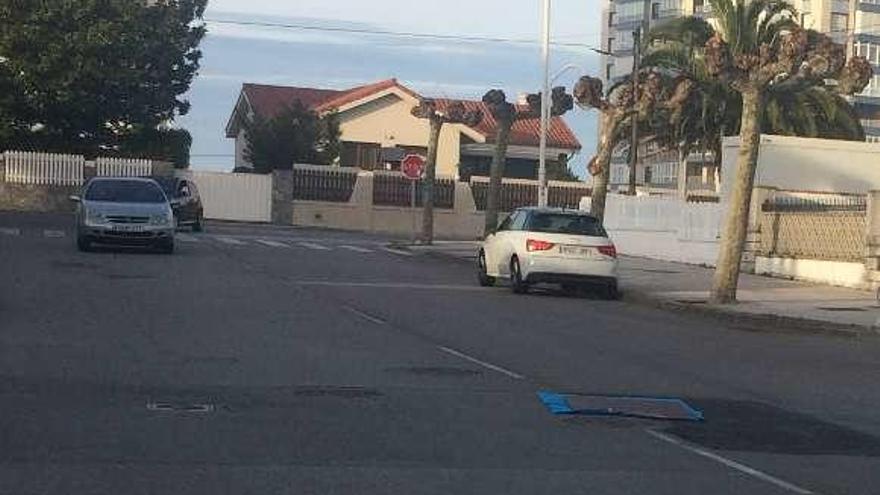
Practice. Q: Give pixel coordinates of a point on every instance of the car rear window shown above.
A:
(124, 191)
(565, 223)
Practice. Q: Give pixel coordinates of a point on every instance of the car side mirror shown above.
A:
(75, 198)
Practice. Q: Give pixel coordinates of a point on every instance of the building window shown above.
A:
(698, 6)
(362, 155)
(610, 45)
(839, 22)
(655, 11)
(608, 69)
(610, 19)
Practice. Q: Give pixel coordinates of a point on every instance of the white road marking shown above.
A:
(312, 245)
(269, 243)
(53, 234)
(365, 316)
(730, 463)
(385, 285)
(484, 364)
(356, 249)
(185, 238)
(397, 251)
(9, 231)
(230, 240)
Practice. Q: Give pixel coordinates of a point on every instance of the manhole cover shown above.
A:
(178, 407)
(616, 405)
(435, 371)
(843, 308)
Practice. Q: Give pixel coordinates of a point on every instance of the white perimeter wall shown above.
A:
(236, 197)
(663, 228)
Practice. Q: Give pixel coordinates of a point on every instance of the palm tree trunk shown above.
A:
(603, 164)
(428, 182)
(683, 153)
(496, 172)
(733, 237)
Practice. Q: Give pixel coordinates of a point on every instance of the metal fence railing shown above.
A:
(516, 193)
(393, 189)
(323, 183)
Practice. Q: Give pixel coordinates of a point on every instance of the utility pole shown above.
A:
(634, 118)
(545, 107)
(637, 57)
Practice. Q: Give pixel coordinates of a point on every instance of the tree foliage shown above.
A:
(98, 76)
(294, 135)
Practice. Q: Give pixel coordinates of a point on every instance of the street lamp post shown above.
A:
(545, 107)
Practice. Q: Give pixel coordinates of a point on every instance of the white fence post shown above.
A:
(123, 167)
(28, 167)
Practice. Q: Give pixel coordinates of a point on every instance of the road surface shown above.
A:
(260, 359)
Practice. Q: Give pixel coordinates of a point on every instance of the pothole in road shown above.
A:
(341, 392)
(180, 407)
(435, 371)
(757, 427)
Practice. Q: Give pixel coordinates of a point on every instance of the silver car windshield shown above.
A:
(120, 191)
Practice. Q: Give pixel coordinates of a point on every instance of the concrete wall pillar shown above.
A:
(872, 238)
(282, 197)
(760, 194)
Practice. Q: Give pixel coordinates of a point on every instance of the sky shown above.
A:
(235, 54)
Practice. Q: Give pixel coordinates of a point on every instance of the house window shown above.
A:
(363, 155)
(839, 22)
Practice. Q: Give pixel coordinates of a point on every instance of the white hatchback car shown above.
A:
(549, 245)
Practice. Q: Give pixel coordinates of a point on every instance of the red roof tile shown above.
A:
(525, 132)
(355, 94)
(266, 101)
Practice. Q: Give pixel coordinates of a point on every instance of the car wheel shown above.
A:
(612, 293)
(517, 283)
(83, 244)
(482, 275)
(197, 226)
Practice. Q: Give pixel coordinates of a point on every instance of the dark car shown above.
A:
(185, 201)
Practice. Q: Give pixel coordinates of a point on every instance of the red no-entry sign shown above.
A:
(412, 166)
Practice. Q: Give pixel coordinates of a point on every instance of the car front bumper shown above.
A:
(142, 235)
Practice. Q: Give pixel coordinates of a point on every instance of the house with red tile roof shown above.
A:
(377, 129)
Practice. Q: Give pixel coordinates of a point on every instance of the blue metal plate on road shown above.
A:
(670, 408)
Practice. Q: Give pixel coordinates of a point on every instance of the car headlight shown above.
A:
(93, 216)
(160, 219)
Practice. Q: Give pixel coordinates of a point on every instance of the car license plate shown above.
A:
(127, 228)
(580, 251)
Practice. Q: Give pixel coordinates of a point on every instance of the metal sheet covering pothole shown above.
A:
(669, 408)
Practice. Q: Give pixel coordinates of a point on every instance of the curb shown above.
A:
(751, 322)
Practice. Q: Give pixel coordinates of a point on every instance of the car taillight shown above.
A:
(608, 250)
(536, 245)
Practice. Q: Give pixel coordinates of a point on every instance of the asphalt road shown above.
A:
(271, 360)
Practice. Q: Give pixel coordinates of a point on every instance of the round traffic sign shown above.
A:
(412, 166)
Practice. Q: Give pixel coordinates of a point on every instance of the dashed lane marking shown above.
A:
(730, 463)
(356, 249)
(397, 251)
(185, 238)
(269, 243)
(9, 231)
(499, 369)
(312, 245)
(230, 240)
(53, 234)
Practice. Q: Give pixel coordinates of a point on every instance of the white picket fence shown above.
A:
(237, 197)
(27, 167)
(123, 167)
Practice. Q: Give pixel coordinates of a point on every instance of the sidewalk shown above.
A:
(763, 301)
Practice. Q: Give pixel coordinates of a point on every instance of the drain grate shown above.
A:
(620, 405)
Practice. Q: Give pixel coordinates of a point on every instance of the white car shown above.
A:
(549, 245)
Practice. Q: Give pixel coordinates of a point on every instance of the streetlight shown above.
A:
(545, 107)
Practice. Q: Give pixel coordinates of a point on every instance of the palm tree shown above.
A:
(778, 71)
(455, 113)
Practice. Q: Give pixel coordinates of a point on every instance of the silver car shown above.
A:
(124, 211)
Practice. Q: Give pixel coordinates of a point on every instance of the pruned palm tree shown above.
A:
(778, 72)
